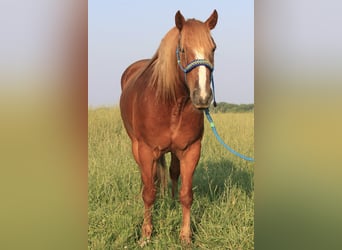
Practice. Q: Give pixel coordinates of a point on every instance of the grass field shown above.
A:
(223, 207)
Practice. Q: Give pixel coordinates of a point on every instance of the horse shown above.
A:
(162, 104)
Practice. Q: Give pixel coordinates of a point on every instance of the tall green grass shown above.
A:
(223, 207)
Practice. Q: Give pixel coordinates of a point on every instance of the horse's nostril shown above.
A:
(205, 100)
(201, 100)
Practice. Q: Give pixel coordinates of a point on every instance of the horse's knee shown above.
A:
(186, 197)
(149, 195)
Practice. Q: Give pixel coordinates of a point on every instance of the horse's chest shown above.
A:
(186, 131)
(171, 130)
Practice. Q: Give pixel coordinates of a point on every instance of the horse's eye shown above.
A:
(214, 49)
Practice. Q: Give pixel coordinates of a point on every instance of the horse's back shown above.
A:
(132, 71)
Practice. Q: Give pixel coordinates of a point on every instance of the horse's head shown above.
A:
(195, 55)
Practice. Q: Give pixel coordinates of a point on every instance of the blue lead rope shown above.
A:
(203, 62)
(212, 125)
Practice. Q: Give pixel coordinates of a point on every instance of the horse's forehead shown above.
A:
(200, 46)
(198, 36)
(199, 53)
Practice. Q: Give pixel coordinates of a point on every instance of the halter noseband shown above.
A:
(195, 63)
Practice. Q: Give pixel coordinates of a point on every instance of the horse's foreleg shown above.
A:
(174, 173)
(148, 171)
(188, 163)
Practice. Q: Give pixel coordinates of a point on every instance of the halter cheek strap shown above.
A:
(195, 63)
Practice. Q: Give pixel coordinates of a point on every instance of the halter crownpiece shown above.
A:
(195, 63)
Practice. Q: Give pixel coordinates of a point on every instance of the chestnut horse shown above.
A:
(162, 104)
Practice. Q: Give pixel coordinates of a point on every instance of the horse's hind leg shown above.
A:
(161, 175)
(174, 173)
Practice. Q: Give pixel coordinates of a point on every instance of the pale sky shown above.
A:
(121, 32)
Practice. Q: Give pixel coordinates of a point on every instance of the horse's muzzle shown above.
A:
(201, 100)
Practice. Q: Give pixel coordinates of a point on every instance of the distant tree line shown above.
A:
(223, 107)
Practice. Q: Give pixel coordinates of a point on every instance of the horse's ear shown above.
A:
(212, 20)
(180, 20)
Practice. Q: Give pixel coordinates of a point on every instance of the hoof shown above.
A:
(144, 242)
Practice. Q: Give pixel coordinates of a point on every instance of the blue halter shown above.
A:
(195, 63)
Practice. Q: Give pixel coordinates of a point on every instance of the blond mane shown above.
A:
(164, 67)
